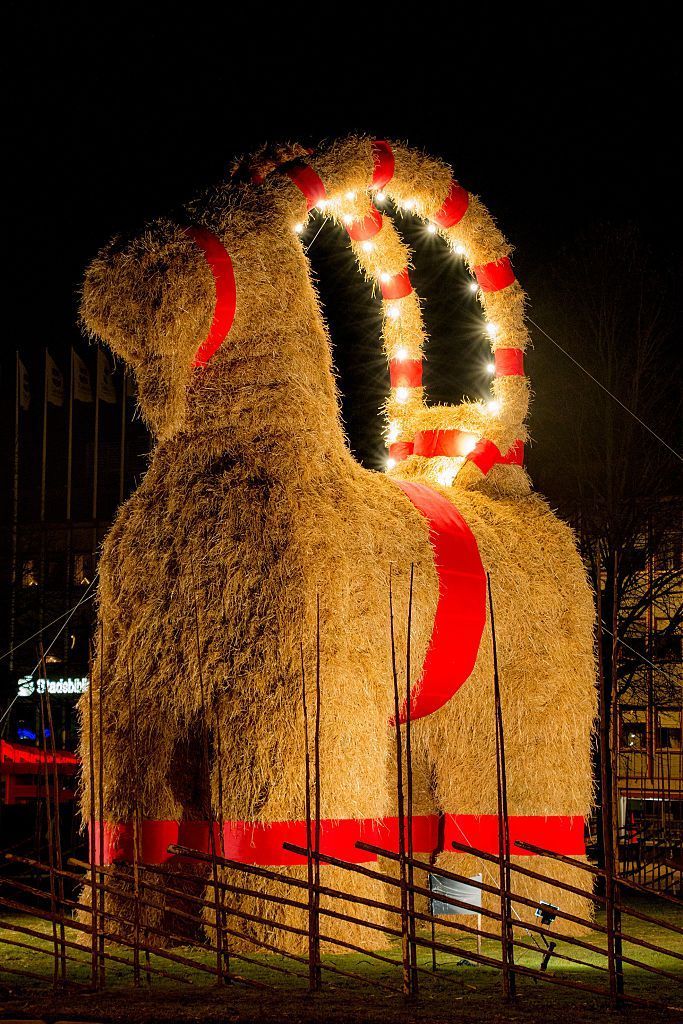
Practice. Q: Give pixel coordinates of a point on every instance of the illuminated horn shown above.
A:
(351, 181)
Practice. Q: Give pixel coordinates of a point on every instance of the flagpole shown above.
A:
(15, 517)
(44, 460)
(97, 443)
(42, 495)
(69, 455)
(69, 527)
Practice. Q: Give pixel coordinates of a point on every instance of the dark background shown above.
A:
(113, 117)
(563, 124)
(567, 125)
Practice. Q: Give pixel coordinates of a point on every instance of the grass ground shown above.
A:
(458, 991)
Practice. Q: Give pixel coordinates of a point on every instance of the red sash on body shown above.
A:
(256, 843)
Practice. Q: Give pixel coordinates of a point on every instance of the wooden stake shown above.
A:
(57, 820)
(507, 937)
(312, 958)
(50, 843)
(94, 951)
(412, 946)
(136, 835)
(100, 708)
(606, 811)
(316, 769)
(222, 958)
(405, 947)
(614, 786)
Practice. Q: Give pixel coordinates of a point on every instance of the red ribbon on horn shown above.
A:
(485, 455)
(405, 373)
(454, 207)
(400, 450)
(384, 163)
(493, 277)
(396, 287)
(509, 362)
(368, 227)
(452, 442)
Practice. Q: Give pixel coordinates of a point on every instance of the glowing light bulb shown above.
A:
(350, 196)
(391, 463)
(298, 228)
(393, 431)
(368, 246)
(490, 367)
(446, 477)
(459, 250)
(468, 446)
(401, 354)
(323, 204)
(384, 277)
(402, 395)
(492, 330)
(380, 197)
(348, 219)
(393, 311)
(493, 407)
(473, 286)
(409, 204)
(431, 228)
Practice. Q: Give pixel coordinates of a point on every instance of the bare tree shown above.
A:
(608, 303)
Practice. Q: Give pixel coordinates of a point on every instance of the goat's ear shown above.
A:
(151, 300)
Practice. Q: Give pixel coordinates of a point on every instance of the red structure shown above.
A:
(22, 773)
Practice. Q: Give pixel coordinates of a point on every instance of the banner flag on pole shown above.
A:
(24, 392)
(54, 381)
(106, 389)
(81, 382)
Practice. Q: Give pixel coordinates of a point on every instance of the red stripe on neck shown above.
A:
(219, 261)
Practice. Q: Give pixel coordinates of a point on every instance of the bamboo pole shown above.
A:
(606, 809)
(100, 706)
(221, 830)
(136, 836)
(57, 822)
(506, 938)
(50, 842)
(316, 770)
(94, 967)
(405, 946)
(309, 860)
(222, 959)
(412, 947)
(614, 786)
(137, 828)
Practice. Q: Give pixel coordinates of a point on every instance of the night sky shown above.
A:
(111, 119)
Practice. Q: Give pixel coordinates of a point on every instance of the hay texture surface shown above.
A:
(253, 508)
